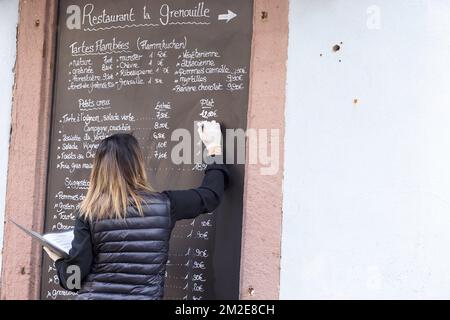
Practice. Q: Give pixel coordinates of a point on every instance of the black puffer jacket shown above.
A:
(126, 259)
(130, 254)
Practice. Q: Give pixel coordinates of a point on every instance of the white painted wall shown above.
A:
(367, 185)
(8, 23)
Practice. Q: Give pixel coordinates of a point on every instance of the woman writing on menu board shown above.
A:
(121, 236)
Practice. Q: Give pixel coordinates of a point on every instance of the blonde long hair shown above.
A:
(117, 179)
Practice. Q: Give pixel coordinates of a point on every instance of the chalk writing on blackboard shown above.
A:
(152, 68)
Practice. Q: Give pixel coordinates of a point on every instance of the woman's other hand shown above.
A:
(210, 134)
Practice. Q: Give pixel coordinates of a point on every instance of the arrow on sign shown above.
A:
(227, 16)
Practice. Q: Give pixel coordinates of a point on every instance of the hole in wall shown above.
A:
(264, 15)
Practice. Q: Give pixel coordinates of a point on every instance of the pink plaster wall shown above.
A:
(28, 148)
(260, 264)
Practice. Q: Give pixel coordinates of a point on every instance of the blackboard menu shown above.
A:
(152, 67)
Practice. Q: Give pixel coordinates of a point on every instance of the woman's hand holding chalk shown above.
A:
(210, 134)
